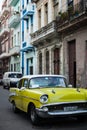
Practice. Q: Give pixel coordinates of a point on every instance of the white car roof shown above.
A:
(33, 76)
(13, 72)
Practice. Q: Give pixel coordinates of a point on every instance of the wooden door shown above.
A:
(72, 62)
(56, 61)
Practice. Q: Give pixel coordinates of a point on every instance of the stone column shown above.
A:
(50, 11)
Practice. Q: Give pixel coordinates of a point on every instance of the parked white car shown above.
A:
(10, 79)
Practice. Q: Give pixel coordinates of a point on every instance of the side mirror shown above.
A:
(70, 86)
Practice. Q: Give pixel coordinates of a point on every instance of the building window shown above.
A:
(70, 7)
(23, 4)
(18, 38)
(23, 36)
(14, 67)
(32, 7)
(18, 67)
(31, 70)
(56, 8)
(12, 42)
(14, 39)
(46, 13)
(11, 67)
(40, 63)
(27, 23)
(31, 60)
(47, 62)
(27, 1)
(39, 19)
(22, 31)
(31, 20)
(70, 2)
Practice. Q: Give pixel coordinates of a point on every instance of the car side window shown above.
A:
(25, 83)
(20, 84)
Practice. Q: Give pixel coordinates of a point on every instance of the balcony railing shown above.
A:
(14, 20)
(44, 32)
(14, 50)
(72, 13)
(4, 30)
(13, 2)
(4, 12)
(4, 55)
(75, 13)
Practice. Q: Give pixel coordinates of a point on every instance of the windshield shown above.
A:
(47, 82)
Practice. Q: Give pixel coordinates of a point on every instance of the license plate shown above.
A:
(71, 108)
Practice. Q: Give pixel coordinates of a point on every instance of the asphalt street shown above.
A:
(19, 121)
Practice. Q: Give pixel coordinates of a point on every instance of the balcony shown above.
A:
(28, 11)
(14, 51)
(14, 20)
(45, 33)
(4, 13)
(4, 31)
(4, 55)
(73, 18)
(13, 2)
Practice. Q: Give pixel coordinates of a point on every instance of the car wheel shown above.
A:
(14, 108)
(33, 115)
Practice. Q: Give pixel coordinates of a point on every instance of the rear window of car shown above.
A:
(14, 75)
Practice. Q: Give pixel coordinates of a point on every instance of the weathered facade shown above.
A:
(45, 38)
(27, 50)
(4, 37)
(72, 28)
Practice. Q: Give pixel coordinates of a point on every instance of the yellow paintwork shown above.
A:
(23, 97)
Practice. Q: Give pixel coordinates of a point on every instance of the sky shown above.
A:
(1, 4)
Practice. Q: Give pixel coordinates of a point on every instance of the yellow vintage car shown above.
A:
(46, 96)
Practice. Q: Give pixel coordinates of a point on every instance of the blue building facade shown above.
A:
(27, 50)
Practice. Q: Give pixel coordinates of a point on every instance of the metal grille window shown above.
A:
(14, 67)
(46, 13)
(11, 67)
(40, 63)
(70, 2)
(47, 62)
(39, 18)
(27, 23)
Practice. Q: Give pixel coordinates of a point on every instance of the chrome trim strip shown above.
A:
(60, 103)
(68, 113)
